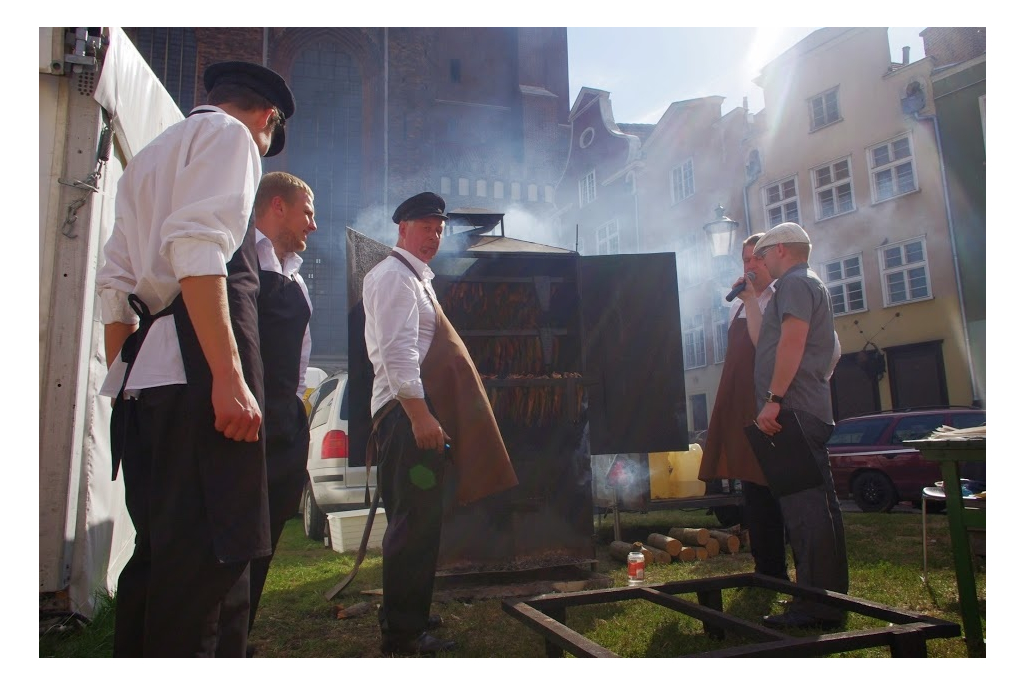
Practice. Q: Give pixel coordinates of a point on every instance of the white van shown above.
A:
(335, 483)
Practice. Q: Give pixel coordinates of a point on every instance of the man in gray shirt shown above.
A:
(792, 365)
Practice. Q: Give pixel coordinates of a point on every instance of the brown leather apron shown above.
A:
(727, 453)
(457, 395)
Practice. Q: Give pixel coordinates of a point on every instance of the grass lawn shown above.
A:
(295, 621)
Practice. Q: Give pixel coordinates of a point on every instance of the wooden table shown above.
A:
(949, 453)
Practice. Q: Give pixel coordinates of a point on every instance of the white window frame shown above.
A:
(531, 192)
(463, 186)
(822, 98)
(693, 259)
(891, 167)
(695, 353)
(720, 326)
(844, 277)
(832, 186)
(588, 188)
(499, 190)
(516, 190)
(895, 269)
(607, 238)
(681, 181)
(446, 185)
(781, 200)
(481, 188)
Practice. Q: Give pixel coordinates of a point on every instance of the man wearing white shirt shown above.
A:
(284, 217)
(727, 453)
(178, 294)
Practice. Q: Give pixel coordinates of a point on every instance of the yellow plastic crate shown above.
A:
(674, 474)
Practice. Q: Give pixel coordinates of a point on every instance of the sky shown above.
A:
(650, 68)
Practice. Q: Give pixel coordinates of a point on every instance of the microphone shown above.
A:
(741, 287)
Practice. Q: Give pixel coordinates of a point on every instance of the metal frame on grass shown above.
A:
(905, 634)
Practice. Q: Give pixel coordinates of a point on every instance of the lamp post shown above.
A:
(722, 234)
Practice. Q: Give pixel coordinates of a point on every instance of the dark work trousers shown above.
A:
(410, 482)
(284, 491)
(174, 598)
(763, 517)
(814, 523)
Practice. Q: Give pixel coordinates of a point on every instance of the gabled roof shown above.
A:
(641, 131)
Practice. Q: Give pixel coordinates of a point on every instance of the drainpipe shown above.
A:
(386, 56)
(746, 187)
(952, 245)
(266, 44)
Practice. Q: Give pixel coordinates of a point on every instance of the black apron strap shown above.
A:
(129, 353)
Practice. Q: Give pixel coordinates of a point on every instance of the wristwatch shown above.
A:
(772, 397)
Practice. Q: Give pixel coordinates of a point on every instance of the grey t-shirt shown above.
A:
(800, 293)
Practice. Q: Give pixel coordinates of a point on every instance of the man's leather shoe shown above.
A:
(434, 621)
(796, 619)
(422, 644)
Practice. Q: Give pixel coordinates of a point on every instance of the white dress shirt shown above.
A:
(181, 210)
(400, 325)
(290, 269)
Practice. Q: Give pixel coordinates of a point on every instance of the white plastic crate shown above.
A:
(346, 529)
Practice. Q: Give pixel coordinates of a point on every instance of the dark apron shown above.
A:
(121, 424)
(234, 473)
(456, 393)
(727, 453)
(283, 318)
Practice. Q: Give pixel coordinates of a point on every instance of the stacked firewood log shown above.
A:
(685, 544)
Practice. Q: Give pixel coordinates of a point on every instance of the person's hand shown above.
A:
(747, 294)
(768, 420)
(428, 433)
(235, 411)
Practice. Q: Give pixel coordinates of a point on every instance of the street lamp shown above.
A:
(722, 233)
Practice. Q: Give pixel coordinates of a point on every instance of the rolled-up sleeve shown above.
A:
(115, 278)
(211, 207)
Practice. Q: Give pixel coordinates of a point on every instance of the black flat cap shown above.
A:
(419, 206)
(265, 82)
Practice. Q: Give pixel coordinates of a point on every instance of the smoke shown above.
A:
(375, 222)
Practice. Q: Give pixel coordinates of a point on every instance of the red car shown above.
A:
(871, 464)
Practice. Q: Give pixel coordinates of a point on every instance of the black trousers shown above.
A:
(763, 517)
(814, 523)
(284, 491)
(174, 598)
(411, 487)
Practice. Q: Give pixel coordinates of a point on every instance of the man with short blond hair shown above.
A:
(283, 217)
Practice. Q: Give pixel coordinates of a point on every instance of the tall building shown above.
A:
(958, 90)
(849, 148)
(479, 115)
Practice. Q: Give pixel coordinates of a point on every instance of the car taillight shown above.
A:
(335, 445)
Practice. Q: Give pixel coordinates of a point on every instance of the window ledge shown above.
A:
(895, 197)
(828, 218)
(913, 301)
(824, 126)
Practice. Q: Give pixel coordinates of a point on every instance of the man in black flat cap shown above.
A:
(178, 299)
(427, 400)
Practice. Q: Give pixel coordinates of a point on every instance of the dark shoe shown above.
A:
(434, 621)
(423, 644)
(796, 619)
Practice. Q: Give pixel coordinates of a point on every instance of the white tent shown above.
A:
(86, 84)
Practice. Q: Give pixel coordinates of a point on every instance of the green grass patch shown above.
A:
(295, 620)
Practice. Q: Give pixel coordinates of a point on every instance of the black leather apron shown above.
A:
(283, 317)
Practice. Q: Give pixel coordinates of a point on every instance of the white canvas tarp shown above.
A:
(96, 535)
